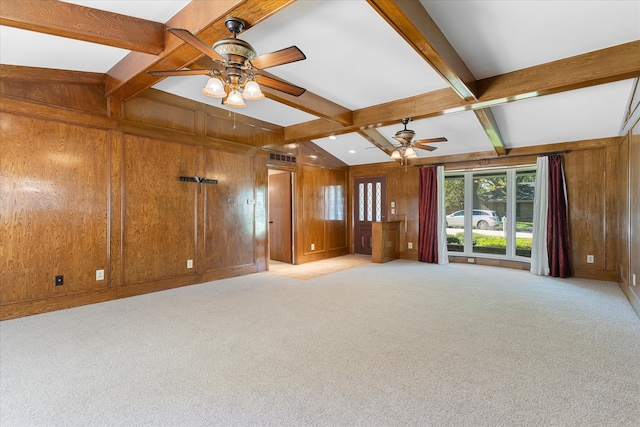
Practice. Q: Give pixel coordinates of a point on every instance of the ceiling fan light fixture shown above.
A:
(234, 100)
(396, 155)
(252, 91)
(410, 153)
(214, 88)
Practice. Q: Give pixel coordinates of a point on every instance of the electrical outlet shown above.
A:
(59, 280)
(590, 259)
(189, 263)
(634, 279)
(471, 260)
(99, 274)
(313, 246)
(410, 245)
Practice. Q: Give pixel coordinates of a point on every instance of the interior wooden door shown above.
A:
(369, 206)
(280, 215)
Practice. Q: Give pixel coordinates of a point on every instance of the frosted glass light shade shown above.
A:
(396, 155)
(252, 91)
(214, 88)
(410, 152)
(235, 100)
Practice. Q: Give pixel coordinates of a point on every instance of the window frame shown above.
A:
(510, 207)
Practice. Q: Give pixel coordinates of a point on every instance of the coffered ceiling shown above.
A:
(487, 75)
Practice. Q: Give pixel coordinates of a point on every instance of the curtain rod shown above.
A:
(549, 153)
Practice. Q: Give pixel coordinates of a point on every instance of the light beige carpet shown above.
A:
(395, 344)
(312, 270)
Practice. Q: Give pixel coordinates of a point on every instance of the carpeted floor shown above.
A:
(402, 343)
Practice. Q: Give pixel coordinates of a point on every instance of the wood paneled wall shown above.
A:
(320, 213)
(89, 184)
(81, 191)
(54, 207)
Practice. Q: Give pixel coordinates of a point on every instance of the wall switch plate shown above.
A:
(189, 263)
(393, 204)
(634, 279)
(59, 280)
(410, 245)
(99, 274)
(590, 259)
(313, 246)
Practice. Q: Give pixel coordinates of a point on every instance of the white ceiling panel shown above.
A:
(594, 112)
(496, 36)
(354, 57)
(31, 49)
(462, 130)
(353, 149)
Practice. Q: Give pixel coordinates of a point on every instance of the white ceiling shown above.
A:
(355, 59)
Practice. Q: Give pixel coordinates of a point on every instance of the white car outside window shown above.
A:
(482, 219)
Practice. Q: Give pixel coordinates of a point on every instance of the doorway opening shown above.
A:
(280, 215)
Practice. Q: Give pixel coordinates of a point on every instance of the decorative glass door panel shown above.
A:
(369, 206)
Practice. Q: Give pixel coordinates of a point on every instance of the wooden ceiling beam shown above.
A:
(313, 104)
(84, 23)
(594, 68)
(602, 66)
(415, 25)
(203, 18)
(488, 122)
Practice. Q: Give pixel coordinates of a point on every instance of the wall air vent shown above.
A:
(280, 157)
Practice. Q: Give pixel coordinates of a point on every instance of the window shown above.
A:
(490, 212)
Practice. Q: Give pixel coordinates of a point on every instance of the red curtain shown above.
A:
(557, 222)
(428, 215)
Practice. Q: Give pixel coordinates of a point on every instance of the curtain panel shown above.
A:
(558, 245)
(539, 254)
(428, 215)
(443, 257)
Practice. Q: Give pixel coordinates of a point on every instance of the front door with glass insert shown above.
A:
(369, 206)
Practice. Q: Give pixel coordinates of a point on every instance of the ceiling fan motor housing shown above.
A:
(234, 50)
(406, 134)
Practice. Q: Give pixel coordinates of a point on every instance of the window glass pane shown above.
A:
(489, 207)
(378, 201)
(454, 200)
(361, 202)
(369, 201)
(525, 182)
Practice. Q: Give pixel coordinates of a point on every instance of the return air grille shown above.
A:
(279, 157)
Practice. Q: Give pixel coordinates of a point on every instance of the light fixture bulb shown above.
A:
(410, 152)
(396, 155)
(252, 91)
(234, 100)
(214, 88)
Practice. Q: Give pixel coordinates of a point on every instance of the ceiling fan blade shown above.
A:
(280, 57)
(423, 147)
(166, 73)
(280, 85)
(430, 140)
(190, 38)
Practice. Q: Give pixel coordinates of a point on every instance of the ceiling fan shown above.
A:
(237, 68)
(406, 148)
